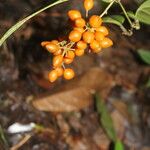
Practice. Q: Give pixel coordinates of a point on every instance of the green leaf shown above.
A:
(119, 18)
(114, 19)
(119, 145)
(145, 55)
(20, 23)
(105, 118)
(143, 12)
(107, 1)
(131, 15)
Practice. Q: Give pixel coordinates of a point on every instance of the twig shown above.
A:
(22, 142)
(125, 13)
(107, 8)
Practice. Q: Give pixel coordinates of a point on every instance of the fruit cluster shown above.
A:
(89, 35)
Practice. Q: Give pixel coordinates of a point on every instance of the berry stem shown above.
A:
(125, 13)
(107, 8)
(87, 13)
(67, 47)
(63, 66)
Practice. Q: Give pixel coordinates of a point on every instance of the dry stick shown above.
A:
(20, 23)
(22, 142)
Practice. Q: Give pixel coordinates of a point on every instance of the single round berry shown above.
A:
(96, 50)
(88, 4)
(94, 45)
(52, 48)
(55, 42)
(59, 52)
(69, 74)
(57, 61)
(74, 14)
(81, 45)
(99, 36)
(88, 36)
(70, 54)
(95, 21)
(68, 61)
(79, 52)
(106, 42)
(103, 30)
(81, 30)
(44, 43)
(75, 36)
(60, 71)
(80, 22)
(52, 75)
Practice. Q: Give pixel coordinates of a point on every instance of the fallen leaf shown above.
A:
(101, 139)
(76, 94)
(96, 79)
(71, 100)
(123, 109)
(119, 124)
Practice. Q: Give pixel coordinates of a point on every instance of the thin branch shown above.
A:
(125, 13)
(20, 23)
(107, 8)
(22, 142)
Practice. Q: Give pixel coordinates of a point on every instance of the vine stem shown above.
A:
(20, 23)
(125, 13)
(107, 8)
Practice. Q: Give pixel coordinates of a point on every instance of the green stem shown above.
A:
(107, 8)
(125, 13)
(20, 23)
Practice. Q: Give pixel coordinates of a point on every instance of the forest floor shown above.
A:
(117, 74)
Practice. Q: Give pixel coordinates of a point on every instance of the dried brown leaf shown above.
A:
(76, 94)
(67, 101)
(123, 109)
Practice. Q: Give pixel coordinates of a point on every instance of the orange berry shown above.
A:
(81, 30)
(70, 54)
(88, 4)
(74, 14)
(69, 74)
(102, 29)
(53, 76)
(75, 36)
(52, 48)
(99, 36)
(44, 43)
(68, 60)
(94, 45)
(79, 52)
(96, 50)
(106, 42)
(59, 52)
(60, 71)
(80, 22)
(81, 45)
(55, 41)
(95, 21)
(57, 61)
(88, 36)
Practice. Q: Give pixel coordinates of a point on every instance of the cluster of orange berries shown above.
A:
(91, 35)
